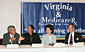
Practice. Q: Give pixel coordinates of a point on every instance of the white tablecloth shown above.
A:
(27, 48)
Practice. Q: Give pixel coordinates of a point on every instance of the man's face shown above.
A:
(70, 28)
(29, 29)
(13, 31)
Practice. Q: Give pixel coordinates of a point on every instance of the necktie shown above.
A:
(12, 41)
(71, 41)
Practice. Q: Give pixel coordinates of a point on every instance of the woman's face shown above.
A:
(48, 31)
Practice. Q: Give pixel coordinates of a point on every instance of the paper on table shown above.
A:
(12, 46)
(59, 45)
(37, 45)
(78, 44)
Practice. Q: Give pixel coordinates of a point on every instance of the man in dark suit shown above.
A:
(11, 37)
(30, 37)
(73, 37)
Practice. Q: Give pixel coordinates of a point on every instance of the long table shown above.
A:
(46, 48)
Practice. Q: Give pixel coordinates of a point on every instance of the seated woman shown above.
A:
(49, 38)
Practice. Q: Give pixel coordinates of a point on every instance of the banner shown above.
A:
(60, 15)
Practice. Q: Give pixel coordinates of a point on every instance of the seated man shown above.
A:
(11, 37)
(72, 37)
(30, 37)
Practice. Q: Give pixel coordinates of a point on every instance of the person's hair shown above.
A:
(10, 27)
(31, 26)
(50, 27)
(73, 26)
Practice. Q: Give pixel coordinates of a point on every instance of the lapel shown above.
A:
(75, 37)
(47, 37)
(9, 35)
(68, 34)
(52, 37)
(14, 35)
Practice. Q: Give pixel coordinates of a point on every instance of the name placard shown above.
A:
(12, 46)
(37, 45)
(78, 44)
(59, 45)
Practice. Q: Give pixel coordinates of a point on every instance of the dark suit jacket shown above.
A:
(27, 40)
(76, 35)
(6, 38)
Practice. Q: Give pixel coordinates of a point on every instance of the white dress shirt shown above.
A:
(11, 37)
(72, 37)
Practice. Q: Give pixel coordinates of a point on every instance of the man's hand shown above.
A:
(21, 38)
(83, 43)
(12, 39)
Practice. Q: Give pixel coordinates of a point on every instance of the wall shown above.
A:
(10, 12)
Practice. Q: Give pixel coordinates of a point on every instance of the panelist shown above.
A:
(72, 36)
(49, 38)
(11, 37)
(30, 36)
